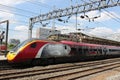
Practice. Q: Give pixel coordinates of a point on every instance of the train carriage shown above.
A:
(38, 49)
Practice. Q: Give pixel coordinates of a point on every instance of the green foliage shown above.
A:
(11, 46)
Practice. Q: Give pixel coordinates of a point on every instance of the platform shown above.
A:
(2, 57)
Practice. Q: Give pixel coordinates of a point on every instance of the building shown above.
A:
(81, 37)
(43, 33)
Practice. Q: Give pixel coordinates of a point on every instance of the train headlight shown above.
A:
(11, 56)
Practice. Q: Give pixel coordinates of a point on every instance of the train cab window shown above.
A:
(33, 45)
(65, 47)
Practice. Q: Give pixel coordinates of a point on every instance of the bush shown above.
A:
(11, 46)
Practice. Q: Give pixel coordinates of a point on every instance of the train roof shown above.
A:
(37, 39)
(71, 43)
(80, 43)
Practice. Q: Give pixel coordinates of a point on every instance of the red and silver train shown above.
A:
(40, 49)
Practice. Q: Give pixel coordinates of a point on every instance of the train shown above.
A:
(36, 49)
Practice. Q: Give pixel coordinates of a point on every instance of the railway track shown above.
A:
(4, 65)
(63, 71)
(78, 73)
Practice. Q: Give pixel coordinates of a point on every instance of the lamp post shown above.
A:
(7, 28)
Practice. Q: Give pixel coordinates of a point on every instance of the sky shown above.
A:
(18, 12)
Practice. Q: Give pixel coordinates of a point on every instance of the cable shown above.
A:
(15, 13)
(109, 15)
(18, 9)
(113, 16)
(12, 30)
(43, 5)
(116, 19)
(27, 17)
(22, 9)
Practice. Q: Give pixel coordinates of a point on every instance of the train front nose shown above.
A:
(10, 56)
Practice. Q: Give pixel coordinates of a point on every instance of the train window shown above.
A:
(80, 50)
(94, 49)
(33, 45)
(100, 50)
(65, 47)
(73, 49)
(110, 49)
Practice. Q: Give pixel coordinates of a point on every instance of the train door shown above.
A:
(99, 51)
(77, 50)
(80, 50)
(90, 50)
(86, 51)
(73, 50)
(105, 51)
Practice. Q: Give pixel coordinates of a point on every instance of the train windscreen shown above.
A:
(21, 45)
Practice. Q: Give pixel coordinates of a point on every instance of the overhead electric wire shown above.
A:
(13, 30)
(48, 6)
(15, 13)
(20, 15)
(107, 14)
(23, 16)
(18, 9)
(22, 9)
(43, 4)
(114, 18)
(117, 19)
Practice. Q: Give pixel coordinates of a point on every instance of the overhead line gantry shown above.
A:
(79, 8)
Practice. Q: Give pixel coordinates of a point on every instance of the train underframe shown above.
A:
(70, 59)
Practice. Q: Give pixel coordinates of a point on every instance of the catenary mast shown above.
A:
(86, 7)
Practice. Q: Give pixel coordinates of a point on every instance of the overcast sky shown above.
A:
(18, 12)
